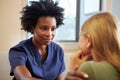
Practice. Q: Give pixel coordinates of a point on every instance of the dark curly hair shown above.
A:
(31, 14)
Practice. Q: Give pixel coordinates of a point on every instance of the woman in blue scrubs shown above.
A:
(38, 58)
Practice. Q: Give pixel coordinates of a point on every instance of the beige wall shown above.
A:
(10, 33)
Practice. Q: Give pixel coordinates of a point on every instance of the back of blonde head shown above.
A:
(103, 28)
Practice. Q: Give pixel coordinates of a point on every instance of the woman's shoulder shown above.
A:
(56, 48)
(86, 65)
(100, 68)
(21, 44)
(55, 45)
(91, 65)
(96, 64)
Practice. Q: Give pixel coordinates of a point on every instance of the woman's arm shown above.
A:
(76, 75)
(22, 73)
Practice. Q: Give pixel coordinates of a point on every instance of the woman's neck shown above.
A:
(42, 49)
(96, 58)
(38, 45)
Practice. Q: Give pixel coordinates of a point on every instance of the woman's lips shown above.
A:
(47, 40)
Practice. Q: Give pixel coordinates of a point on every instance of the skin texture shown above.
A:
(43, 34)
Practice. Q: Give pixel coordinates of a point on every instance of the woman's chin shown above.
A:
(47, 42)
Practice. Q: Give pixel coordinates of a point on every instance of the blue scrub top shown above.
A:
(25, 53)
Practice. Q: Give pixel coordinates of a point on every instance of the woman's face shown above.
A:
(45, 30)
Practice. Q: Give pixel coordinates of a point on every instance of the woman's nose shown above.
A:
(49, 32)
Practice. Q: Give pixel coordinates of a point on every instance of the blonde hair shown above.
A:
(103, 28)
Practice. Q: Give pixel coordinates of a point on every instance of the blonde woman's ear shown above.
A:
(88, 45)
(89, 41)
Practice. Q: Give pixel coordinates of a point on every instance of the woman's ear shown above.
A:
(89, 44)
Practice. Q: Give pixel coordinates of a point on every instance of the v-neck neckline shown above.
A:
(39, 57)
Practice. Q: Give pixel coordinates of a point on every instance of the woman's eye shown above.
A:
(43, 28)
(53, 29)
